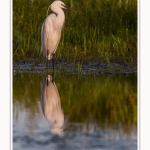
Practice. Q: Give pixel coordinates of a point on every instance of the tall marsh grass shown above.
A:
(101, 30)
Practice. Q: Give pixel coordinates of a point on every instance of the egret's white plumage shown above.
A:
(51, 105)
(51, 29)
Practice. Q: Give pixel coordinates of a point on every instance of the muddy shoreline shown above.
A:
(74, 68)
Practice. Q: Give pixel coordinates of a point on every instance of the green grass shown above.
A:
(101, 30)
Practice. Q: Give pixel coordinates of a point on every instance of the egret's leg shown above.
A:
(47, 64)
(53, 61)
(47, 58)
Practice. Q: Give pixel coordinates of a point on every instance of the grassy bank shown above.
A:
(101, 30)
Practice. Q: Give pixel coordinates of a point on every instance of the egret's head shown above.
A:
(60, 4)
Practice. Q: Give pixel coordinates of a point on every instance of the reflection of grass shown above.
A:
(99, 31)
(108, 100)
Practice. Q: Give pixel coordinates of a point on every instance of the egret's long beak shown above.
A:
(68, 8)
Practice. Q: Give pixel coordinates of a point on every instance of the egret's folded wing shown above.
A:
(46, 27)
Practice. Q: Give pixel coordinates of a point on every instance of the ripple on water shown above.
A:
(73, 141)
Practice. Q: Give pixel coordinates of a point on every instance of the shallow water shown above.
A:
(72, 68)
(68, 111)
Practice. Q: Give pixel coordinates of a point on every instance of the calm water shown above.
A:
(74, 112)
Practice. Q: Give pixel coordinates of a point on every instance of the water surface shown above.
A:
(70, 112)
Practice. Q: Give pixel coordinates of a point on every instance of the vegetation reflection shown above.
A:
(108, 101)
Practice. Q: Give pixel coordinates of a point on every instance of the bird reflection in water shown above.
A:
(51, 105)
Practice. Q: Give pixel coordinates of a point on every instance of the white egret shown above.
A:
(51, 105)
(51, 30)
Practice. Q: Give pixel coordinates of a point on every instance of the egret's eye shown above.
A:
(62, 5)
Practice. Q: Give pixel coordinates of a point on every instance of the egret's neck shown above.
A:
(60, 15)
